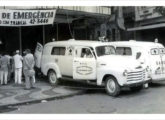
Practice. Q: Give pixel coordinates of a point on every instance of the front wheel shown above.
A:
(112, 87)
(52, 77)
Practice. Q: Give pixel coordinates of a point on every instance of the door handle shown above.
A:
(75, 61)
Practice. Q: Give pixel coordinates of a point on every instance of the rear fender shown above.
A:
(51, 66)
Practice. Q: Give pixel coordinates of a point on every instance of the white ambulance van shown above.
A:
(151, 54)
(91, 61)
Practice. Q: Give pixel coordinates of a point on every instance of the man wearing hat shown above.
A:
(18, 67)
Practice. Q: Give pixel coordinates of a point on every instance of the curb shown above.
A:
(47, 99)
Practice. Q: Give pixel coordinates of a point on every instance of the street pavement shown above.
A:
(96, 101)
(13, 94)
(75, 97)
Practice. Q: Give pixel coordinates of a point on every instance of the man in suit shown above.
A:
(28, 68)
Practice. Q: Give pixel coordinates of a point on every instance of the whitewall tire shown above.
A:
(111, 86)
(53, 80)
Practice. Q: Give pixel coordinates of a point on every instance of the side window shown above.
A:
(123, 51)
(58, 51)
(86, 53)
(154, 51)
(162, 50)
(83, 53)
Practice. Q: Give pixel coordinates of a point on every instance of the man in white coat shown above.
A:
(18, 67)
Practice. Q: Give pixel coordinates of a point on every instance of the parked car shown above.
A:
(151, 54)
(91, 61)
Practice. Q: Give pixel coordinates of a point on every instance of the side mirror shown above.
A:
(138, 55)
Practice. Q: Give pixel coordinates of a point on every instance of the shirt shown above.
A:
(28, 61)
(4, 61)
(17, 61)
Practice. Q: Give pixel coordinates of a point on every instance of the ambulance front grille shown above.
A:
(136, 76)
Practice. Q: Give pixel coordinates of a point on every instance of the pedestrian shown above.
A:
(29, 73)
(18, 67)
(0, 66)
(5, 62)
(10, 67)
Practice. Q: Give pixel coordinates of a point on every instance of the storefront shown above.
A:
(149, 24)
(22, 29)
(19, 29)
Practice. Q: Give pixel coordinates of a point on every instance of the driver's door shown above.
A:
(83, 68)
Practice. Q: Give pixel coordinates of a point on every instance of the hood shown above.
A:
(125, 62)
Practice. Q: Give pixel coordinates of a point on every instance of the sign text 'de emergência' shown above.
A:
(26, 17)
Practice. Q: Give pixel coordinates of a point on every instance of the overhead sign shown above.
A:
(26, 17)
(143, 13)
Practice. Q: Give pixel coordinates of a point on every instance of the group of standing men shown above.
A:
(15, 64)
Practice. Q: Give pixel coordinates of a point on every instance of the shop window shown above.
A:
(58, 51)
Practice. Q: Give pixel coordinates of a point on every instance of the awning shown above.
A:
(147, 27)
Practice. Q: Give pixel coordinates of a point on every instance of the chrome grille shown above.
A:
(136, 76)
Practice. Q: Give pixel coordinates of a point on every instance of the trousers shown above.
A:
(3, 76)
(29, 80)
(18, 75)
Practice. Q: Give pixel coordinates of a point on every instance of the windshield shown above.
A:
(105, 50)
(157, 51)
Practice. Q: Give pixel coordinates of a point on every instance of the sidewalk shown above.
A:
(12, 94)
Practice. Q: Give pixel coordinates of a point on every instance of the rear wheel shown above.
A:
(137, 88)
(112, 87)
(52, 77)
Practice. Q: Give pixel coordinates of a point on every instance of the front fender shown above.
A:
(45, 68)
(116, 72)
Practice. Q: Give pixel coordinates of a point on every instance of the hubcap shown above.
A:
(52, 77)
(111, 86)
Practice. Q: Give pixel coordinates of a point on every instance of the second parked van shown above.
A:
(151, 54)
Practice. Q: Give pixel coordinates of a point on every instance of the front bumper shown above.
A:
(159, 77)
(137, 84)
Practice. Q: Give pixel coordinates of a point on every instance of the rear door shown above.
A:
(156, 61)
(162, 57)
(38, 55)
(84, 66)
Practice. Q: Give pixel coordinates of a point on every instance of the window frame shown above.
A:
(125, 48)
(104, 46)
(59, 49)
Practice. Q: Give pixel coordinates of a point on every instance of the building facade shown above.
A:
(76, 22)
(148, 24)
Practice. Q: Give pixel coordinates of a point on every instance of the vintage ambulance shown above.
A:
(151, 54)
(91, 61)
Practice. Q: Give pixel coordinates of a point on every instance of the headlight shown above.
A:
(125, 73)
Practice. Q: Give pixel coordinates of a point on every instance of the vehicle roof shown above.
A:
(76, 42)
(136, 43)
